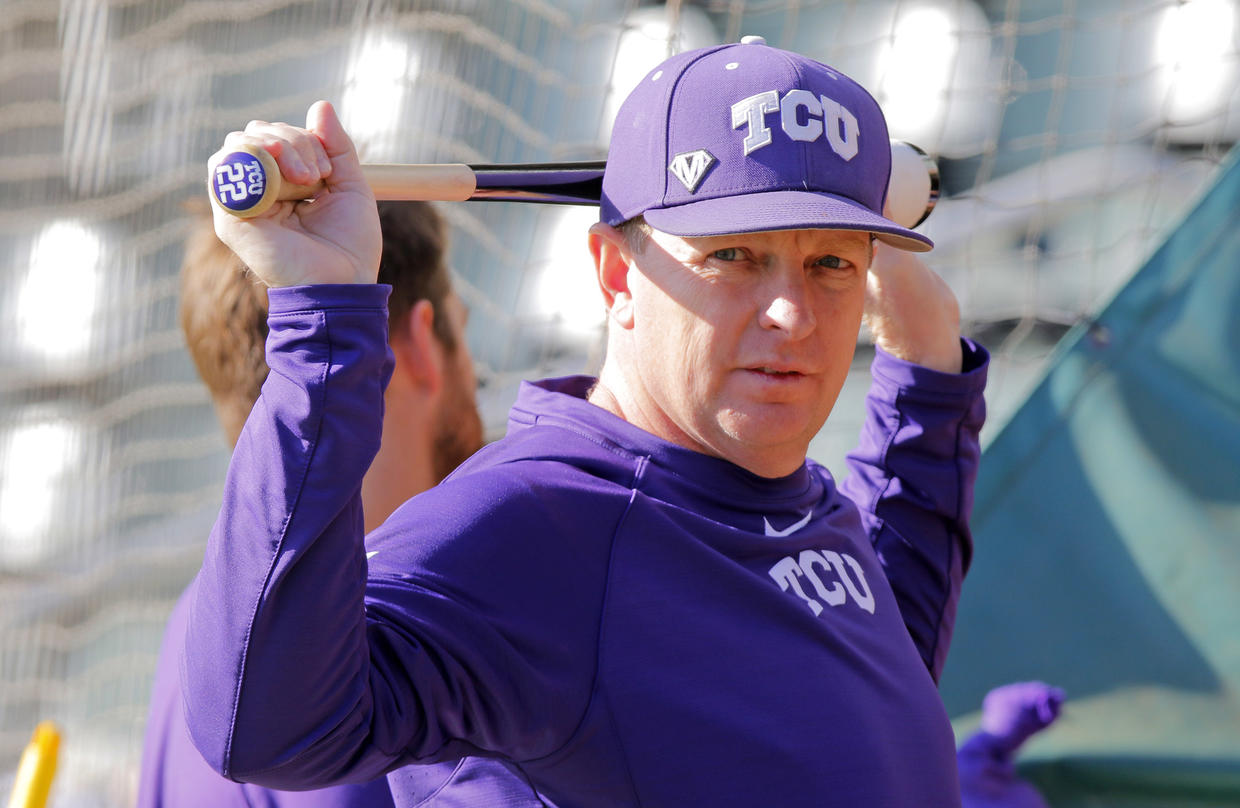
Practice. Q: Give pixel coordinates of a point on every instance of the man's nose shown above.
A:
(788, 307)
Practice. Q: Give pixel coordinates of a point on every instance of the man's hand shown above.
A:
(333, 239)
(911, 312)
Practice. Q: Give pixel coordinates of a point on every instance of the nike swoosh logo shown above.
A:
(788, 531)
(372, 554)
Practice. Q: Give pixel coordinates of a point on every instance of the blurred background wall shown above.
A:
(1072, 138)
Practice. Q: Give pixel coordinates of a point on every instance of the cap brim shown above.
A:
(781, 210)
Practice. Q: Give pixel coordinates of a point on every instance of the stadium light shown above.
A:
(56, 304)
(378, 74)
(35, 456)
(934, 71)
(1196, 53)
(648, 35)
(920, 54)
(566, 290)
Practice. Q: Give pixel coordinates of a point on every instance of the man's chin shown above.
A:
(779, 426)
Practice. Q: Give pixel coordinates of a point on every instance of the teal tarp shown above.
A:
(1107, 528)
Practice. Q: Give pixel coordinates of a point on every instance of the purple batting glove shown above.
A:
(1012, 713)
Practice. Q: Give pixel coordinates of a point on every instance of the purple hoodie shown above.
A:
(626, 621)
(174, 773)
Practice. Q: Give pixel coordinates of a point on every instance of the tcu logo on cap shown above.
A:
(821, 114)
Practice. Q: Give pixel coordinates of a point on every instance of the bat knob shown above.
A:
(246, 182)
(913, 189)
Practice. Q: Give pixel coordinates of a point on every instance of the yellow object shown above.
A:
(37, 768)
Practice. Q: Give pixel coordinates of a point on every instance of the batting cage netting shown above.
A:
(1071, 139)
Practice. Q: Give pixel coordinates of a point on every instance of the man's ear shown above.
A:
(419, 356)
(612, 258)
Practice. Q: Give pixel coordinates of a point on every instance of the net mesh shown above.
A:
(1071, 137)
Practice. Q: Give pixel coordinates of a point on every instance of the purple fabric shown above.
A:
(175, 775)
(745, 138)
(623, 620)
(471, 782)
(888, 473)
(1011, 714)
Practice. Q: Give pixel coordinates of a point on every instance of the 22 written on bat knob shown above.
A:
(247, 182)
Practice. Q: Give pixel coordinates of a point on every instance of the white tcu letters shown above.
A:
(833, 578)
(822, 116)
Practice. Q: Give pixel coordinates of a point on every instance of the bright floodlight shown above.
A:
(567, 290)
(56, 305)
(648, 36)
(922, 50)
(375, 85)
(935, 80)
(34, 458)
(1196, 52)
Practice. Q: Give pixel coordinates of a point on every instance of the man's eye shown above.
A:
(833, 262)
(727, 254)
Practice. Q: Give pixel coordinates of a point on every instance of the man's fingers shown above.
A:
(300, 155)
(322, 120)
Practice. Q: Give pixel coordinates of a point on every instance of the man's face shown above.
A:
(743, 342)
(458, 433)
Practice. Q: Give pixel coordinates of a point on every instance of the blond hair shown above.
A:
(224, 306)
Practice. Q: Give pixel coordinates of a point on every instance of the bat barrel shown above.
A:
(574, 183)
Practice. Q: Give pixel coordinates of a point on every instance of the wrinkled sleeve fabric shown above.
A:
(306, 664)
(276, 626)
(912, 476)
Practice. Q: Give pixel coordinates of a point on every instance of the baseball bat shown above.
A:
(247, 182)
(36, 769)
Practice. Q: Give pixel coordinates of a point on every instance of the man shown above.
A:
(431, 424)
(644, 594)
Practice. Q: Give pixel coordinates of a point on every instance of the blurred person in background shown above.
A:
(1011, 714)
(431, 424)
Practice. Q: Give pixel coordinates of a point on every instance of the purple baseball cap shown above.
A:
(747, 138)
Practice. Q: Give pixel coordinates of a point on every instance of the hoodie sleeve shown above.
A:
(306, 663)
(280, 591)
(912, 477)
